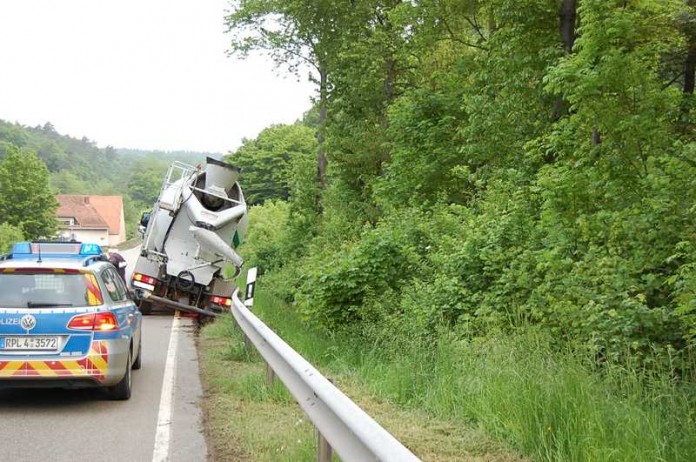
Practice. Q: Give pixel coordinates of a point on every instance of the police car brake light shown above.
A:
(94, 321)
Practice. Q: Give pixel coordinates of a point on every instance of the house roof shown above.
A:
(110, 208)
(92, 211)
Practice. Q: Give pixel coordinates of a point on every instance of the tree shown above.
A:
(295, 34)
(9, 235)
(267, 161)
(26, 198)
(146, 180)
(66, 182)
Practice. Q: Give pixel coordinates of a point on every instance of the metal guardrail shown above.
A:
(347, 429)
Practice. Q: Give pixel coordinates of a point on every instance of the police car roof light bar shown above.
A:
(54, 249)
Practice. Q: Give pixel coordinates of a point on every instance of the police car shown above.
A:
(66, 319)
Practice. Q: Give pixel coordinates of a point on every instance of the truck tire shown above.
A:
(145, 307)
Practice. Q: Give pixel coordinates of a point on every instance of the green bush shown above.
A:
(340, 287)
(266, 243)
(9, 235)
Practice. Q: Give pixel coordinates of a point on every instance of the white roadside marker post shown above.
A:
(249, 303)
(250, 286)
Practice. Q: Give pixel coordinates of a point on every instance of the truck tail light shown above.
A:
(94, 321)
(144, 278)
(222, 301)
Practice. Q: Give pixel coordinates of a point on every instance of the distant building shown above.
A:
(97, 219)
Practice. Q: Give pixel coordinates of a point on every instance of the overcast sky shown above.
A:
(149, 74)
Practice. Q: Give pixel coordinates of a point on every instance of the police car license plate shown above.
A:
(29, 343)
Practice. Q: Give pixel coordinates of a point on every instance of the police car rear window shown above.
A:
(26, 289)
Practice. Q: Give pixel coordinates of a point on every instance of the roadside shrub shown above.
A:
(683, 283)
(265, 242)
(341, 287)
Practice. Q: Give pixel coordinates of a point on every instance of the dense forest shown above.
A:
(475, 170)
(482, 164)
(60, 164)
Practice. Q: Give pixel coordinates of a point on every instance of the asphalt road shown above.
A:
(83, 425)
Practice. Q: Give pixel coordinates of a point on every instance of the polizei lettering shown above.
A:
(9, 321)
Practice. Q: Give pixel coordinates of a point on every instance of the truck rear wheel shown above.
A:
(145, 307)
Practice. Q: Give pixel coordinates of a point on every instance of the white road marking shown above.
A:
(164, 418)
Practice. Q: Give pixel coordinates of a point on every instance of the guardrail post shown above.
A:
(248, 346)
(270, 375)
(324, 450)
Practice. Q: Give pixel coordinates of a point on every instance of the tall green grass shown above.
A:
(549, 405)
(246, 417)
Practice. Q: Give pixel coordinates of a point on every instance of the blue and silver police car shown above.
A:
(66, 319)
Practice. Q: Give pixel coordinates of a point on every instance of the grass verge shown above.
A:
(548, 405)
(245, 418)
(450, 399)
(248, 420)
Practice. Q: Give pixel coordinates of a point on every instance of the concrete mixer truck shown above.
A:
(187, 258)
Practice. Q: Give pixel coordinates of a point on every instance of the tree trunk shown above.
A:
(596, 137)
(321, 153)
(568, 17)
(389, 80)
(690, 68)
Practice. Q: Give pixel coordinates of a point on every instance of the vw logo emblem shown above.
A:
(28, 322)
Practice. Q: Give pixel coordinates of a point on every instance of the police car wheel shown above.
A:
(122, 390)
(139, 360)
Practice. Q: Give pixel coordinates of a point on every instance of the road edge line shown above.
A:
(164, 417)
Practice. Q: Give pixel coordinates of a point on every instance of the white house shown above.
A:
(97, 219)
